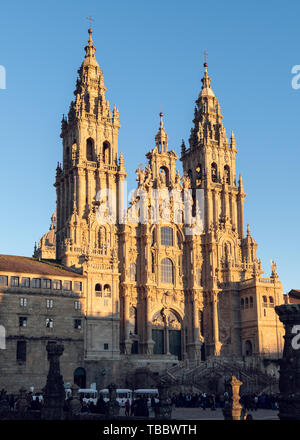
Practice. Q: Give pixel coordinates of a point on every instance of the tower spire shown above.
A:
(90, 50)
(206, 80)
(161, 139)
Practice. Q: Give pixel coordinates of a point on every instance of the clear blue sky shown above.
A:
(151, 54)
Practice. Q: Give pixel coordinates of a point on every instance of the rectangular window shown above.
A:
(49, 323)
(105, 346)
(49, 303)
(14, 281)
(77, 323)
(77, 305)
(21, 351)
(67, 285)
(56, 284)
(166, 235)
(36, 283)
(46, 284)
(23, 302)
(25, 282)
(77, 286)
(22, 321)
(3, 280)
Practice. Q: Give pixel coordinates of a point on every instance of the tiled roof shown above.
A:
(295, 293)
(14, 263)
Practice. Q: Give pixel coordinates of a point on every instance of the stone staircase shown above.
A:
(212, 375)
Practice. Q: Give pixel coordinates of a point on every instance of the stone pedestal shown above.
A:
(233, 409)
(289, 382)
(113, 407)
(54, 389)
(165, 406)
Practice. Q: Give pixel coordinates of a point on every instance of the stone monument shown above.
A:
(165, 405)
(233, 409)
(54, 390)
(112, 407)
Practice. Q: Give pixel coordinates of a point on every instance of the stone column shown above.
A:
(150, 342)
(54, 389)
(127, 341)
(233, 409)
(215, 324)
(165, 406)
(289, 382)
(113, 407)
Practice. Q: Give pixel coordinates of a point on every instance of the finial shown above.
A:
(90, 49)
(248, 230)
(161, 120)
(205, 58)
(206, 88)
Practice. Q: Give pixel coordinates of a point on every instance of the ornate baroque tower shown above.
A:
(226, 259)
(90, 164)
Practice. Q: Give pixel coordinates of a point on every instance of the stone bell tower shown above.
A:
(227, 261)
(90, 166)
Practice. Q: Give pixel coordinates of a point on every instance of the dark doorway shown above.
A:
(158, 338)
(80, 377)
(175, 343)
(202, 352)
(134, 347)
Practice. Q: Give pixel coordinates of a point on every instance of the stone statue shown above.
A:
(186, 182)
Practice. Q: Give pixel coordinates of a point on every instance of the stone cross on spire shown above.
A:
(90, 20)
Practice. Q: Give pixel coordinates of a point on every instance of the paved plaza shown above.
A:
(200, 414)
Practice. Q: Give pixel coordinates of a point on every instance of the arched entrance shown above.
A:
(80, 377)
(166, 333)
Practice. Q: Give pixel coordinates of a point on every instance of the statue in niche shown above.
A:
(162, 178)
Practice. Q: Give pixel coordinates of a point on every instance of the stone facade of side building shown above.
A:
(39, 302)
(173, 277)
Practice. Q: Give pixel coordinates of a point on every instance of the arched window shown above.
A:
(271, 300)
(227, 174)
(90, 149)
(190, 174)
(251, 302)
(132, 272)
(106, 152)
(107, 291)
(246, 303)
(265, 301)
(214, 172)
(242, 304)
(101, 237)
(98, 290)
(167, 271)
(166, 236)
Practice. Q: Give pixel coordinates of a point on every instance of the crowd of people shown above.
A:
(250, 402)
(139, 407)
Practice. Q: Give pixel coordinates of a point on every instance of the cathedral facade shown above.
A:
(174, 276)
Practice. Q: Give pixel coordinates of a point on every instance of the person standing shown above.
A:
(127, 408)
